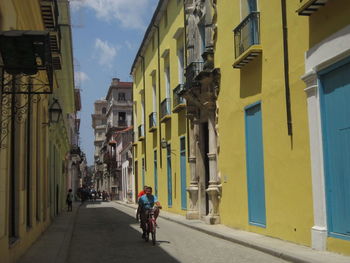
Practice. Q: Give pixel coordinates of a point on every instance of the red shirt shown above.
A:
(141, 193)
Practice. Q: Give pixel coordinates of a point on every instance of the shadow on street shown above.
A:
(104, 234)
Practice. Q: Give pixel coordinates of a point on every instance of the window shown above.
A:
(122, 116)
(167, 79)
(201, 28)
(180, 55)
(154, 92)
(103, 110)
(247, 7)
(121, 96)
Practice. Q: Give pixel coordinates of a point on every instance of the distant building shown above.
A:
(99, 124)
(119, 117)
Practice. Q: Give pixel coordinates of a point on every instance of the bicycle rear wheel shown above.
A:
(153, 232)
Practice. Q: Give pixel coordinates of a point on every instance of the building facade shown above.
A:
(263, 131)
(160, 126)
(119, 117)
(37, 100)
(99, 124)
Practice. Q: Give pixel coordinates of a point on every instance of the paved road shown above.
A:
(107, 232)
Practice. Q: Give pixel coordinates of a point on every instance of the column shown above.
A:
(319, 230)
(213, 190)
(193, 211)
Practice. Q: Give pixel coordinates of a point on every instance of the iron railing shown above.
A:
(192, 71)
(247, 33)
(122, 123)
(141, 131)
(177, 99)
(165, 107)
(152, 120)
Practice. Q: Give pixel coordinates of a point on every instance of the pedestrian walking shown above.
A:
(69, 200)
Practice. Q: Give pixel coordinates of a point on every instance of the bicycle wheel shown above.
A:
(147, 231)
(153, 232)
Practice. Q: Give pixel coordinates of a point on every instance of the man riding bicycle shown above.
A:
(147, 202)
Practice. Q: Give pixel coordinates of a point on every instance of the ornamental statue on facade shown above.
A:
(201, 91)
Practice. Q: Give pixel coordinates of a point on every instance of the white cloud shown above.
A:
(129, 13)
(129, 45)
(106, 52)
(80, 77)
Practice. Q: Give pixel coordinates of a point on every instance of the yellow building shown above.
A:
(261, 80)
(36, 87)
(327, 84)
(264, 160)
(160, 147)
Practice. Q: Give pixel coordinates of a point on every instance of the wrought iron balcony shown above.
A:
(178, 102)
(165, 109)
(152, 118)
(122, 123)
(247, 35)
(141, 132)
(308, 7)
(192, 71)
(50, 13)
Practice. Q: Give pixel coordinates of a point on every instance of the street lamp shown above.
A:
(55, 112)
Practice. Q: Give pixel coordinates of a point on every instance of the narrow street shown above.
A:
(108, 232)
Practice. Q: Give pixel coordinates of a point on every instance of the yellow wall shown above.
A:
(288, 190)
(17, 15)
(172, 129)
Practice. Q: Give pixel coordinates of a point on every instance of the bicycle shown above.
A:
(151, 225)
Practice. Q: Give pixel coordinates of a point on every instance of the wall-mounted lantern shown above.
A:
(55, 112)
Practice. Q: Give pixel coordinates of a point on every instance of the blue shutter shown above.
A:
(255, 166)
(183, 172)
(335, 110)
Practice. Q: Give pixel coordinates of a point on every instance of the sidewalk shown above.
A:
(278, 248)
(53, 245)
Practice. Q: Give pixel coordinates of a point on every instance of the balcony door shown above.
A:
(247, 7)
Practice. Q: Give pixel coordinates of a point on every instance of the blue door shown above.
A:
(155, 174)
(335, 110)
(183, 172)
(255, 166)
(170, 184)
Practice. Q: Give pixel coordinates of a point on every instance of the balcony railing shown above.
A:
(122, 123)
(165, 109)
(308, 7)
(178, 101)
(49, 13)
(247, 33)
(192, 71)
(141, 132)
(152, 118)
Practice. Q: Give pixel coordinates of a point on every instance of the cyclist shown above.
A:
(146, 203)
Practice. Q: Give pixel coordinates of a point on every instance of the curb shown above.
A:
(266, 250)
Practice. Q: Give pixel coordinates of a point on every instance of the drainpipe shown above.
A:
(144, 108)
(159, 97)
(286, 68)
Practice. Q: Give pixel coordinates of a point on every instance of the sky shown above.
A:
(106, 37)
